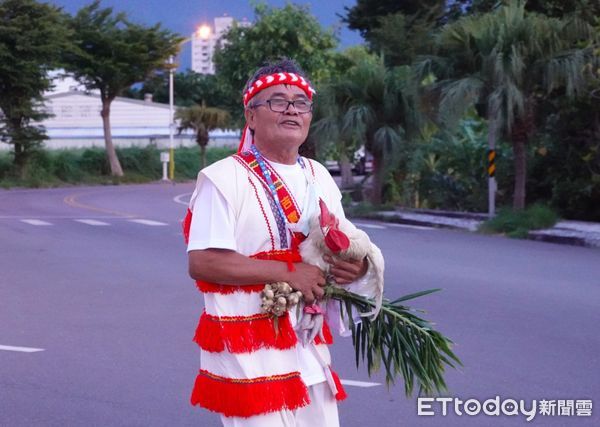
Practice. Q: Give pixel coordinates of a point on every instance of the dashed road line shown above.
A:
(57, 217)
(148, 222)
(20, 349)
(92, 222)
(359, 383)
(35, 222)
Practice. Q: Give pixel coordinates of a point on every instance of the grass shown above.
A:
(517, 224)
(364, 208)
(90, 167)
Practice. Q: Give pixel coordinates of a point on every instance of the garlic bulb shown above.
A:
(279, 297)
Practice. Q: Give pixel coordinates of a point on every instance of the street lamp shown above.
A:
(202, 32)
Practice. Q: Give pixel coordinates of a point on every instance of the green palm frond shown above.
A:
(457, 95)
(387, 140)
(400, 340)
(514, 55)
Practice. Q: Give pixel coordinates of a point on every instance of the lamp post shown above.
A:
(202, 32)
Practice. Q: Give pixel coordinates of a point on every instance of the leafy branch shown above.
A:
(405, 343)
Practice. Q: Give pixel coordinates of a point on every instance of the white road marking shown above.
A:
(177, 199)
(92, 222)
(359, 383)
(56, 217)
(365, 225)
(21, 349)
(148, 222)
(35, 222)
(416, 227)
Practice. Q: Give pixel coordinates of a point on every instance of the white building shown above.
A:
(76, 123)
(204, 42)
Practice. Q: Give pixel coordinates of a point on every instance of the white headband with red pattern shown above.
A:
(278, 79)
(263, 83)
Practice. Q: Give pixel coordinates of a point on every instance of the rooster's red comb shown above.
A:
(327, 219)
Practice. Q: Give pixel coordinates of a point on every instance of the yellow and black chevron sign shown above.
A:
(491, 163)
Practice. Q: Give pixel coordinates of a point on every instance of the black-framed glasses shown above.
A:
(279, 105)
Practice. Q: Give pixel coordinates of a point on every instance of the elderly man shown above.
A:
(240, 231)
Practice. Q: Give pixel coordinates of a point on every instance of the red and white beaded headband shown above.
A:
(267, 81)
(278, 79)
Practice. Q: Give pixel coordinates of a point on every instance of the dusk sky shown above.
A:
(183, 16)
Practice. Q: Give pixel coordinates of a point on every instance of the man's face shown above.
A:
(272, 129)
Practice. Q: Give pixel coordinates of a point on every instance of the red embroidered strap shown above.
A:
(246, 397)
(288, 203)
(244, 334)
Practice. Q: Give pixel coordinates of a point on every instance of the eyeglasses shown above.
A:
(278, 105)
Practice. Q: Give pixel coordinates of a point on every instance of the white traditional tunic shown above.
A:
(245, 369)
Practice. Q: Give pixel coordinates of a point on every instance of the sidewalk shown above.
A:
(577, 233)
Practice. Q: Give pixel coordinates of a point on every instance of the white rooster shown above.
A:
(340, 239)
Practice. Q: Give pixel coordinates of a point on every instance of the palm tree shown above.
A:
(376, 105)
(202, 120)
(329, 129)
(504, 63)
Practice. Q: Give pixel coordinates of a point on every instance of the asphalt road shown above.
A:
(107, 298)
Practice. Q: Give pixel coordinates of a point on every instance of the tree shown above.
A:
(32, 36)
(190, 88)
(329, 125)
(290, 32)
(202, 120)
(587, 10)
(366, 15)
(378, 106)
(400, 29)
(504, 63)
(112, 54)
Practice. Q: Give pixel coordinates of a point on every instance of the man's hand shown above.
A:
(345, 272)
(309, 280)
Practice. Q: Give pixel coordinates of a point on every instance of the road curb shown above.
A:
(549, 235)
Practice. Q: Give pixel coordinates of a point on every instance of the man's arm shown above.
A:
(229, 267)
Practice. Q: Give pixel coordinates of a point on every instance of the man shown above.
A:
(240, 230)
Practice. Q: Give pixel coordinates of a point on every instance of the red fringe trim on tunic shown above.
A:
(248, 397)
(243, 334)
(326, 334)
(208, 287)
(186, 224)
(284, 255)
(341, 394)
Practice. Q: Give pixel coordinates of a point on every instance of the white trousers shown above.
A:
(322, 412)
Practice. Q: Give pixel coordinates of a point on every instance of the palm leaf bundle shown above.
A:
(399, 339)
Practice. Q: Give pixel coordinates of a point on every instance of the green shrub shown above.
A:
(66, 166)
(143, 161)
(518, 223)
(90, 166)
(5, 165)
(93, 161)
(187, 160)
(449, 171)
